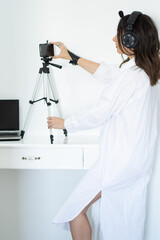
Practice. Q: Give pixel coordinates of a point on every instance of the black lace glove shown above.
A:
(74, 58)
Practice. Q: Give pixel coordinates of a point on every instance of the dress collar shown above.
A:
(129, 64)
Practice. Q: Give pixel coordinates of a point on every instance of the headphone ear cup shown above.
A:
(129, 39)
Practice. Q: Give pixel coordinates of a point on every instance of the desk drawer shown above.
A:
(41, 158)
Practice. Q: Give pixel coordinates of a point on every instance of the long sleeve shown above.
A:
(88, 118)
(112, 101)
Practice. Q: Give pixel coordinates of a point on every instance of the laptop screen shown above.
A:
(9, 115)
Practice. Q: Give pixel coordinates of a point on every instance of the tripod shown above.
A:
(48, 85)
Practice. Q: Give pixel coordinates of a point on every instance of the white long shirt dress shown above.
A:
(127, 113)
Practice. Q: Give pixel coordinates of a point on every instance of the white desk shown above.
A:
(29, 198)
(72, 152)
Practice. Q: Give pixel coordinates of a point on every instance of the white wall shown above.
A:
(86, 27)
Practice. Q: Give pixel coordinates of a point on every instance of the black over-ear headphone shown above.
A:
(129, 38)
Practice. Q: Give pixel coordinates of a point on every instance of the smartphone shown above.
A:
(46, 50)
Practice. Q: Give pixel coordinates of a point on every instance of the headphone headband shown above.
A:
(132, 18)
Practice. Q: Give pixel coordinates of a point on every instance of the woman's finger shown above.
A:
(49, 118)
(55, 43)
(58, 44)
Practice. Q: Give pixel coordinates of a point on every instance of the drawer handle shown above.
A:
(31, 158)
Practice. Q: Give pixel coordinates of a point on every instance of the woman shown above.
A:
(127, 113)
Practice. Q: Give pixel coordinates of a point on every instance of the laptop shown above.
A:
(9, 120)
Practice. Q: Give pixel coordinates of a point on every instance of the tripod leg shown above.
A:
(44, 89)
(58, 106)
(49, 108)
(31, 104)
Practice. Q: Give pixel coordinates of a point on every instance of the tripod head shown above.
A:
(47, 62)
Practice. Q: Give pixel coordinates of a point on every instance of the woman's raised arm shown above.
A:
(88, 65)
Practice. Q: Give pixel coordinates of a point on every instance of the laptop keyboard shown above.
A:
(9, 134)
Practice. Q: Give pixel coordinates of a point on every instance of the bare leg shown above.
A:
(80, 226)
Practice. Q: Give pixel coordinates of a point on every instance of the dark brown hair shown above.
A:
(147, 51)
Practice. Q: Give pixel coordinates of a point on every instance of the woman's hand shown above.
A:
(63, 53)
(55, 122)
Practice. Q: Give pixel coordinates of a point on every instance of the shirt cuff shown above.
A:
(71, 124)
(101, 71)
(105, 72)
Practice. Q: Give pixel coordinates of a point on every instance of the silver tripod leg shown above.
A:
(47, 85)
(38, 83)
(50, 82)
(49, 107)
